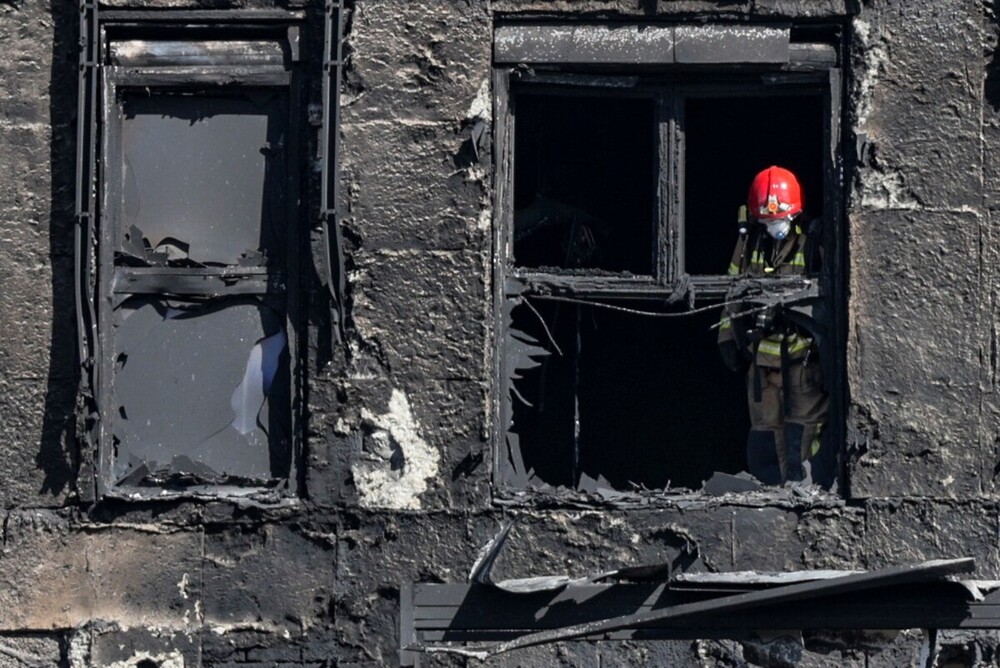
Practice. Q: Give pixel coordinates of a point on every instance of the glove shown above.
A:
(732, 356)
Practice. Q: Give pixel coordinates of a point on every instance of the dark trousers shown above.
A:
(781, 440)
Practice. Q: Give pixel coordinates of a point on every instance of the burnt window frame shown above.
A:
(813, 68)
(310, 226)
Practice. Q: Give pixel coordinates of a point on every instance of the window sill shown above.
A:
(269, 497)
(791, 497)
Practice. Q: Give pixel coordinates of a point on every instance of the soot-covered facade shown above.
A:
(302, 301)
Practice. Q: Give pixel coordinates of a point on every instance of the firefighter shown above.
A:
(787, 402)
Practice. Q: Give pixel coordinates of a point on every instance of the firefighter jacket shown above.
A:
(763, 337)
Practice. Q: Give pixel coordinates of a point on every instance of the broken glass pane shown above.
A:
(203, 174)
(627, 401)
(202, 391)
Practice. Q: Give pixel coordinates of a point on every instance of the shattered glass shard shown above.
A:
(723, 483)
(252, 258)
(134, 244)
(175, 249)
(135, 475)
(184, 464)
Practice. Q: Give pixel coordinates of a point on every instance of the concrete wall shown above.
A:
(317, 584)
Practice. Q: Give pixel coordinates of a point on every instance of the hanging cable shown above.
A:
(624, 309)
(682, 314)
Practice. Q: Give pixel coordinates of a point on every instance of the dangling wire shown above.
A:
(541, 320)
(656, 314)
(624, 309)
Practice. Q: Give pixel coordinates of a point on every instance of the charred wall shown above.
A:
(397, 467)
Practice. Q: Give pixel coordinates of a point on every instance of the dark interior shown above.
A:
(728, 140)
(639, 401)
(585, 183)
(654, 401)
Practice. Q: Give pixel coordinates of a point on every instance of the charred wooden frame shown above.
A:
(669, 66)
(333, 30)
(229, 58)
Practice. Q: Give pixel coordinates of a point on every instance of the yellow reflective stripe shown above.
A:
(734, 270)
(798, 230)
(816, 443)
(725, 323)
(799, 260)
(769, 348)
(797, 344)
(756, 258)
(772, 345)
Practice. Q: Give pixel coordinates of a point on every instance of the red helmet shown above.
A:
(774, 194)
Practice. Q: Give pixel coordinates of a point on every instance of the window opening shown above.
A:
(610, 365)
(727, 140)
(637, 401)
(191, 251)
(194, 384)
(585, 191)
(201, 334)
(203, 174)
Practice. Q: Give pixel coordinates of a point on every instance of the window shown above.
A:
(624, 154)
(194, 255)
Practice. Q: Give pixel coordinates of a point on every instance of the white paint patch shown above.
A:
(485, 220)
(380, 486)
(482, 106)
(885, 191)
(182, 586)
(875, 56)
(171, 660)
(475, 174)
(79, 649)
(928, 650)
